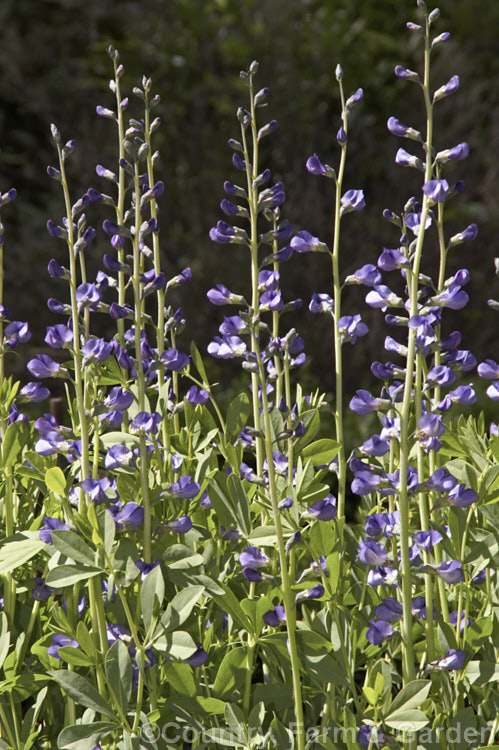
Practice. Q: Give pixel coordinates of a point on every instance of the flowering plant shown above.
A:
(168, 564)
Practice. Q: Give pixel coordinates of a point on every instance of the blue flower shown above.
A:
(379, 632)
(352, 200)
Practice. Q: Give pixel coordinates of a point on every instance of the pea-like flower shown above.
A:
(372, 553)
(59, 640)
(436, 190)
(454, 659)
(352, 200)
(378, 632)
(323, 510)
(390, 610)
(50, 525)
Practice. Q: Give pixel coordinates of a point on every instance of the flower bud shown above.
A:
(339, 72)
(450, 87)
(406, 74)
(440, 38)
(253, 69)
(261, 96)
(434, 15)
(414, 27)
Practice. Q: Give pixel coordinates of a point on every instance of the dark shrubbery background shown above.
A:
(55, 69)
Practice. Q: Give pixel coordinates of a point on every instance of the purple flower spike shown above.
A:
(352, 200)
(323, 510)
(379, 632)
(436, 190)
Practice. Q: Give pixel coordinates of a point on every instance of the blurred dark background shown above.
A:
(55, 69)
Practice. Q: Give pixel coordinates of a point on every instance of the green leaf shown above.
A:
(119, 672)
(85, 640)
(30, 720)
(229, 603)
(198, 363)
(66, 575)
(16, 436)
(407, 720)
(482, 672)
(231, 672)
(180, 677)
(55, 480)
(4, 638)
(74, 656)
(411, 696)
(124, 438)
(74, 546)
(321, 451)
(18, 549)
(179, 645)
(152, 593)
(237, 416)
(322, 538)
(240, 504)
(82, 691)
(181, 607)
(84, 736)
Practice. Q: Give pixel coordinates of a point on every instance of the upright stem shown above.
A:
(406, 412)
(140, 369)
(338, 361)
